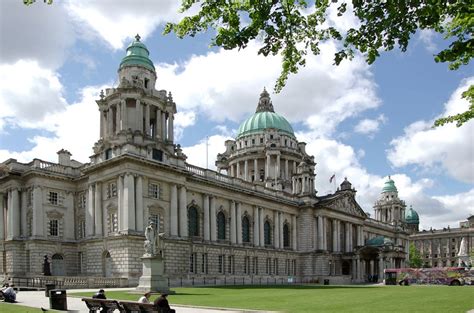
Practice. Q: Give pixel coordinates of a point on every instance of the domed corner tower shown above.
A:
(266, 152)
(389, 208)
(412, 220)
(135, 117)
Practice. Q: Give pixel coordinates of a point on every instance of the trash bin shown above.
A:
(58, 299)
(326, 281)
(48, 288)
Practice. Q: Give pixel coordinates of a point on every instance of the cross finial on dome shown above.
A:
(137, 37)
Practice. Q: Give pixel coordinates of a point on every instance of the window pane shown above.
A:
(220, 226)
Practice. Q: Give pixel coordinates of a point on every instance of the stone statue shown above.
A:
(150, 239)
(463, 248)
(46, 267)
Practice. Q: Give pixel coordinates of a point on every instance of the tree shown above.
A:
(414, 258)
(295, 28)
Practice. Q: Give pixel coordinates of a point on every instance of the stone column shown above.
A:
(233, 233)
(24, 222)
(276, 231)
(124, 115)
(118, 112)
(334, 235)
(262, 229)
(293, 232)
(170, 128)
(287, 175)
(277, 167)
(246, 170)
(90, 212)
(294, 167)
(16, 219)
(348, 237)
(256, 174)
(140, 209)
(267, 167)
(359, 268)
(139, 116)
(183, 213)
(325, 235)
(120, 208)
(320, 233)
(360, 238)
(205, 207)
(381, 269)
(102, 123)
(174, 210)
(213, 218)
(238, 170)
(256, 227)
(163, 126)
(129, 202)
(232, 173)
(239, 222)
(98, 209)
(280, 223)
(354, 270)
(2, 214)
(147, 119)
(110, 122)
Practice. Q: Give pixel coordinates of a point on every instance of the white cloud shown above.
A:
(116, 24)
(460, 206)
(69, 131)
(234, 80)
(427, 37)
(38, 32)
(370, 126)
(448, 147)
(181, 121)
(28, 94)
(197, 153)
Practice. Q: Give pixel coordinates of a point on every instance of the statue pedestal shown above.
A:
(153, 278)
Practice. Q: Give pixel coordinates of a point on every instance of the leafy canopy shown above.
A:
(295, 28)
(414, 257)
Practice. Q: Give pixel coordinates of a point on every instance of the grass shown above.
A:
(302, 299)
(10, 307)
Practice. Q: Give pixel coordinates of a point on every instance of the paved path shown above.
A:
(38, 300)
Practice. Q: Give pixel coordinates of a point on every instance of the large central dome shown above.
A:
(265, 118)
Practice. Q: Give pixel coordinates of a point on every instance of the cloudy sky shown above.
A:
(361, 122)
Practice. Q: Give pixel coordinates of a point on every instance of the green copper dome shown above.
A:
(379, 241)
(389, 186)
(137, 55)
(265, 118)
(411, 217)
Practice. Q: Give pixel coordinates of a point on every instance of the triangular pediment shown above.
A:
(346, 203)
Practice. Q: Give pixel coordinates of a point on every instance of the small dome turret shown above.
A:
(411, 217)
(137, 55)
(389, 186)
(346, 185)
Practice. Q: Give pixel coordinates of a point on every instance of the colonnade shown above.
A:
(272, 168)
(389, 214)
(321, 240)
(145, 117)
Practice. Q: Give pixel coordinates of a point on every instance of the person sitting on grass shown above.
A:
(161, 303)
(100, 295)
(145, 298)
(8, 293)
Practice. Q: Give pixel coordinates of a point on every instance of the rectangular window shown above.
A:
(255, 265)
(261, 140)
(268, 265)
(81, 231)
(82, 201)
(275, 266)
(230, 264)
(294, 266)
(108, 154)
(154, 191)
(192, 263)
(111, 190)
(53, 228)
(113, 222)
(155, 218)
(247, 265)
(287, 267)
(204, 268)
(253, 141)
(221, 264)
(157, 155)
(53, 197)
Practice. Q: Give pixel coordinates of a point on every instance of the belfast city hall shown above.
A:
(255, 219)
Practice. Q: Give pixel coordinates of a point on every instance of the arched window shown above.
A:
(106, 264)
(193, 222)
(221, 226)
(245, 229)
(267, 233)
(286, 236)
(57, 264)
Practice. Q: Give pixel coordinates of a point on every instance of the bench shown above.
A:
(102, 305)
(137, 307)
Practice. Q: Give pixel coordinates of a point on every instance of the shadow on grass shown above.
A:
(290, 287)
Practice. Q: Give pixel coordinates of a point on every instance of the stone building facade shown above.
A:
(256, 217)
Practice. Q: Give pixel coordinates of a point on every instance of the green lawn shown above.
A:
(299, 299)
(10, 307)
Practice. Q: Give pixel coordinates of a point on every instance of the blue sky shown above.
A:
(361, 122)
